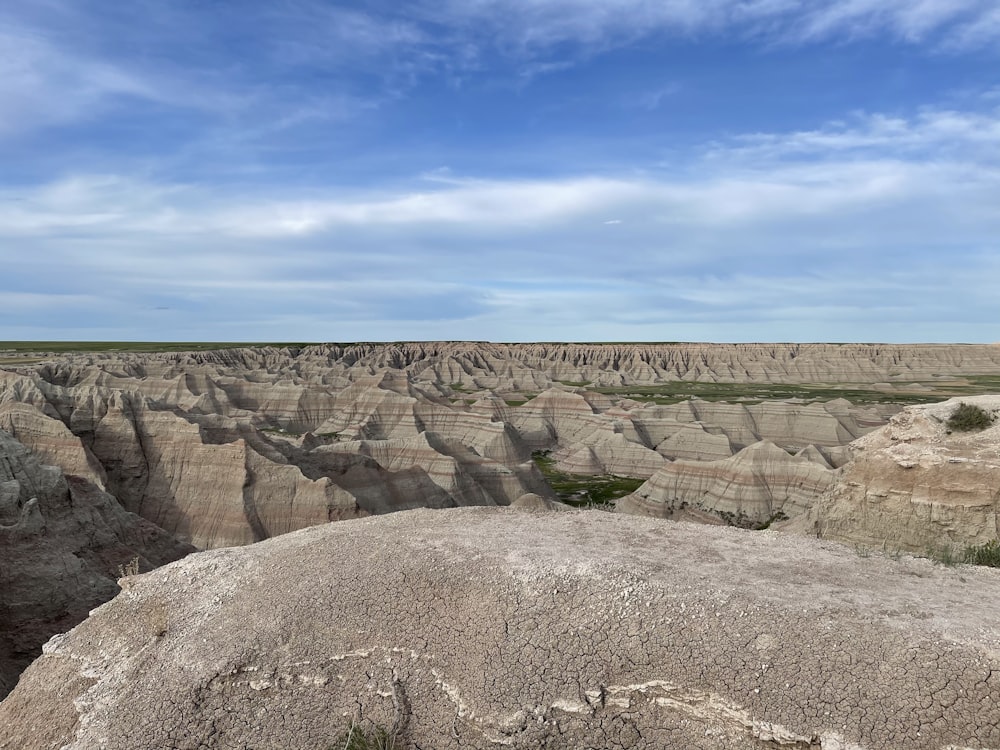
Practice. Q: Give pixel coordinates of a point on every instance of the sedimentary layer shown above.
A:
(759, 484)
(915, 485)
(62, 541)
(235, 446)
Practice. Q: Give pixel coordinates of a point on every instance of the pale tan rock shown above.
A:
(691, 440)
(534, 502)
(812, 453)
(613, 454)
(165, 429)
(466, 477)
(749, 488)
(51, 441)
(61, 542)
(484, 628)
(913, 486)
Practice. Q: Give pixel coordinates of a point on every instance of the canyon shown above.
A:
(111, 458)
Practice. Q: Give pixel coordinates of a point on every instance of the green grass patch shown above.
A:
(983, 554)
(582, 491)
(357, 738)
(575, 383)
(525, 398)
(987, 555)
(677, 391)
(285, 433)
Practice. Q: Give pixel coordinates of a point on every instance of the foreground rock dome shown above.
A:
(482, 628)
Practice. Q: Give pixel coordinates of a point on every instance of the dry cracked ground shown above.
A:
(499, 626)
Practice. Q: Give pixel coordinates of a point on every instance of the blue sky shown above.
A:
(516, 170)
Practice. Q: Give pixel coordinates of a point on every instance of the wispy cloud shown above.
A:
(805, 234)
(945, 132)
(277, 165)
(40, 85)
(877, 160)
(538, 26)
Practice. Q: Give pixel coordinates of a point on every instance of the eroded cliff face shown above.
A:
(916, 486)
(476, 629)
(231, 447)
(529, 367)
(219, 457)
(760, 484)
(61, 542)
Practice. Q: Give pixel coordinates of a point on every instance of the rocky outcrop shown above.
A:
(752, 488)
(915, 486)
(614, 454)
(789, 424)
(51, 441)
(61, 543)
(481, 628)
(532, 367)
(234, 446)
(219, 460)
(465, 477)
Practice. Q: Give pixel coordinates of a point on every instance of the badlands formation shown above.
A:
(111, 457)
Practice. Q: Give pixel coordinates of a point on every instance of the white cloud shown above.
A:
(818, 231)
(41, 85)
(945, 132)
(839, 170)
(535, 26)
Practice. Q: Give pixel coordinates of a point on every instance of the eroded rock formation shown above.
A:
(759, 484)
(915, 486)
(62, 540)
(475, 628)
(220, 457)
(234, 446)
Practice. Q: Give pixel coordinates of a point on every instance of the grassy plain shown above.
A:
(918, 393)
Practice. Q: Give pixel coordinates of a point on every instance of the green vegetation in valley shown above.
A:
(524, 398)
(677, 391)
(581, 490)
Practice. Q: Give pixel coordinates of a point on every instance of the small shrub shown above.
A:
(984, 554)
(968, 417)
(131, 568)
(357, 738)
(945, 555)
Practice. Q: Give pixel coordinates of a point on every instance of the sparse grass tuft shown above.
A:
(357, 738)
(945, 554)
(131, 568)
(983, 554)
(969, 417)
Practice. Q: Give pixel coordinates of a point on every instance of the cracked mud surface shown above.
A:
(483, 628)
